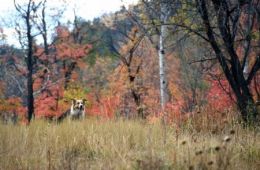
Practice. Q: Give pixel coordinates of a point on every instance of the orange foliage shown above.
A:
(106, 107)
(12, 105)
(73, 51)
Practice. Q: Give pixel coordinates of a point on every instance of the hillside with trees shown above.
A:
(180, 60)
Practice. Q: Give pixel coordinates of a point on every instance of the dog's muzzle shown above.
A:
(81, 107)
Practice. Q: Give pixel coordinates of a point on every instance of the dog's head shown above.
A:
(79, 104)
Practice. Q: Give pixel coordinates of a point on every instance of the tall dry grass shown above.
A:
(198, 143)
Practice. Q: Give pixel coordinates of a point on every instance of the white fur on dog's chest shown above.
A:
(77, 112)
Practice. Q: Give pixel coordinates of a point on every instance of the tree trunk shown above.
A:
(248, 108)
(30, 98)
(161, 53)
(135, 94)
(137, 99)
(163, 84)
(44, 30)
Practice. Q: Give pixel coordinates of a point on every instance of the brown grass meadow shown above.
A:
(202, 142)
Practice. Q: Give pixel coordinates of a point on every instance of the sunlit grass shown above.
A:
(127, 144)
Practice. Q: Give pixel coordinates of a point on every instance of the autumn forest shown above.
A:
(166, 84)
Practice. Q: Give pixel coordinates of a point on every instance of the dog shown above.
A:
(76, 111)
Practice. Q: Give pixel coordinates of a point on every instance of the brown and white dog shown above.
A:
(76, 111)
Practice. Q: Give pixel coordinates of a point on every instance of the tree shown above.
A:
(232, 32)
(153, 10)
(52, 82)
(132, 61)
(46, 62)
(27, 15)
(164, 12)
(69, 52)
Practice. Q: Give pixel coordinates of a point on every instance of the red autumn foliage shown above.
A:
(67, 48)
(47, 103)
(62, 63)
(106, 107)
(217, 97)
(75, 51)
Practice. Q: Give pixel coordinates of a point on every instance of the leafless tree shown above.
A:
(27, 14)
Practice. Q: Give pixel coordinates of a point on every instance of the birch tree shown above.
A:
(162, 9)
(161, 53)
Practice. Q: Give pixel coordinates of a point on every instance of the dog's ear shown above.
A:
(84, 101)
(73, 102)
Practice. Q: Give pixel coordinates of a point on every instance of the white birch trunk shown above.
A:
(161, 53)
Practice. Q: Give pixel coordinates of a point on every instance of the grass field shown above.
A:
(129, 144)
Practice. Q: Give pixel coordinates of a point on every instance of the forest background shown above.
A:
(151, 59)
